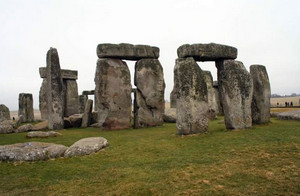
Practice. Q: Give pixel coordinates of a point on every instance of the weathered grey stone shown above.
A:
(31, 151)
(40, 126)
(42, 134)
(174, 94)
(19, 121)
(236, 90)
(149, 80)
(217, 98)
(260, 107)
(82, 102)
(207, 52)
(192, 106)
(4, 113)
(113, 94)
(6, 128)
(87, 115)
(65, 73)
(24, 128)
(211, 96)
(170, 115)
(86, 146)
(55, 97)
(94, 117)
(74, 120)
(91, 92)
(43, 100)
(26, 107)
(291, 115)
(71, 97)
(127, 51)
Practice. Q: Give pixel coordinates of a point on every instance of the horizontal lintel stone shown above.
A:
(65, 73)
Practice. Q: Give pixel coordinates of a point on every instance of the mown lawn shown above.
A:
(264, 160)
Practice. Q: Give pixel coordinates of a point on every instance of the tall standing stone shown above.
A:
(260, 106)
(192, 107)
(82, 101)
(55, 97)
(149, 80)
(174, 94)
(71, 97)
(26, 107)
(87, 114)
(43, 100)
(236, 89)
(211, 95)
(4, 113)
(113, 94)
(217, 98)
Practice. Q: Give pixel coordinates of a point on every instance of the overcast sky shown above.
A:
(264, 32)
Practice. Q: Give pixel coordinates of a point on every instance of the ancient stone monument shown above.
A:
(87, 115)
(26, 107)
(4, 113)
(113, 87)
(55, 96)
(191, 104)
(260, 106)
(211, 95)
(82, 101)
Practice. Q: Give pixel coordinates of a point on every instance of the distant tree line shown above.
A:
(291, 95)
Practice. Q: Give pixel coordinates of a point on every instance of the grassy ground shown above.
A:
(263, 160)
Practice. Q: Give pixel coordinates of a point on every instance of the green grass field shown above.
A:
(264, 160)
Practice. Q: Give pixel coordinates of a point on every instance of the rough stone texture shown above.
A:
(6, 128)
(71, 97)
(236, 90)
(192, 106)
(87, 115)
(19, 121)
(82, 101)
(170, 115)
(4, 113)
(31, 151)
(26, 107)
(113, 94)
(291, 115)
(174, 94)
(207, 52)
(55, 98)
(74, 120)
(94, 117)
(127, 51)
(91, 92)
(65, 73)
(260, 107)
(217, 98)
(40, 126)
(43, 100)
(149, 80)
(211, 96)
(42, 134)
(24, 128)
(86, 146)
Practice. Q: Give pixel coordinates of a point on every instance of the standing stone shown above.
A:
(71, 97)
(174, 94)
(236, 89)
(26, 107)
(113, 94)
(87, 115)
(82, 101)
(55, 96)
(192, 107)
(211, 96)
(43, 100)
(217, 98)
(260, 106)
(4, 113)
(149, 80)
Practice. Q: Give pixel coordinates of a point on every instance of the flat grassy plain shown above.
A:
(263, 160)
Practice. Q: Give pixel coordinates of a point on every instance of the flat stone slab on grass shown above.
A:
(292, 115)
(42, 134)
(86, 146)
(207, 52)
(31, 151)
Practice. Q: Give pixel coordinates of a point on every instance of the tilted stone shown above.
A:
(207, 52)
(236, 90)
(113, 94)
(71, 97)
(192, 107)
(26, 107)
(91, 92)
(127, 51)
(4, 113)
(65, 73)
(87, 115)
(260, 107)
(43, 100)
(149, 80)
(55, 96)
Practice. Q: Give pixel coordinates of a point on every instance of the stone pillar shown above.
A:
(191, 105)
(82, 101)
(4, 113)
(174, 93)
(113, 94)
(87, 115)
(43, 100)
(26, 107)
(236, 89)
(211, 96)
(149, 80)
(260, 106)
(55, 97)
(217, 98)
(71, 97)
